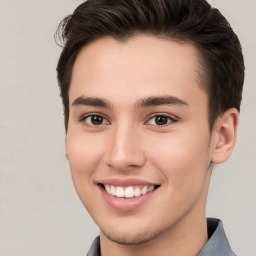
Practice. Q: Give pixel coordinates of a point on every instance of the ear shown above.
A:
(66, 152)
(224, 135)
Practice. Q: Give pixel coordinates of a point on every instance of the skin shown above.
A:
(128, 142)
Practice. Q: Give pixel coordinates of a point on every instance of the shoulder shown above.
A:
(95, 247)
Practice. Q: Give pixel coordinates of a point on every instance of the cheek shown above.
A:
(183, 159)
(82, 150)
(83, 157)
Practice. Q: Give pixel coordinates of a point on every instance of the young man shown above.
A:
(151, 92)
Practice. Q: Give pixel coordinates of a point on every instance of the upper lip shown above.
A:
(126, 182)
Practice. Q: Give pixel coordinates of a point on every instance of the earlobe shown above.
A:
(225, 133)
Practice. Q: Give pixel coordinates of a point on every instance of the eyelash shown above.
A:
(171, 119)
(83, 118)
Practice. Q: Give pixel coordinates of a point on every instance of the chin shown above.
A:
(129, 238)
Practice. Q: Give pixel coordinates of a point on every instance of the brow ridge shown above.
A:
(160, 100)
(91, 101)
(145, 102)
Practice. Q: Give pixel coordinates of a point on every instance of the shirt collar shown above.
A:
(218, 243)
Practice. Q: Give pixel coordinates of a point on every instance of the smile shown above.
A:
(127, 195)
(128, 192)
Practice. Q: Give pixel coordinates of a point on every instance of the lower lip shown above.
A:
(126, 204)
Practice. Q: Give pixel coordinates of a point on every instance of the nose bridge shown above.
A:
(125, 148)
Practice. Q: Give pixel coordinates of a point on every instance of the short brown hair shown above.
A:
(193, 21)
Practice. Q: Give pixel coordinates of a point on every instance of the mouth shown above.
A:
(127, 195)
(129, 191)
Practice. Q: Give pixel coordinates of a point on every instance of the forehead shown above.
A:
(139, 67)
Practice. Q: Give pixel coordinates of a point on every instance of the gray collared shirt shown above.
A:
(217, 244)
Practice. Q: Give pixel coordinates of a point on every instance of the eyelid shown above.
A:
(172, 118)
(84, 116)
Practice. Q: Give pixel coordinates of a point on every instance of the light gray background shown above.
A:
(41, 214)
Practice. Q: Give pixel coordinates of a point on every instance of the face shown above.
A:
(138, 139)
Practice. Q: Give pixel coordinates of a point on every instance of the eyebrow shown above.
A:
(160, 100)
(90, 101)
(145, 102)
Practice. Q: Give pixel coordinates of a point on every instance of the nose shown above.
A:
(124, 150)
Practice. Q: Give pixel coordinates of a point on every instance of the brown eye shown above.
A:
(160, 120)
(95, 120)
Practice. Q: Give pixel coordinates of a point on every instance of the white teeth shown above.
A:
(151, 188)
(144, 190)
(137, 192)
(128, 192)
(119, 192)
(108, 189)
(112, 191)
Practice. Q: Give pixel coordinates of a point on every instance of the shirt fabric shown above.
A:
(217, 244)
